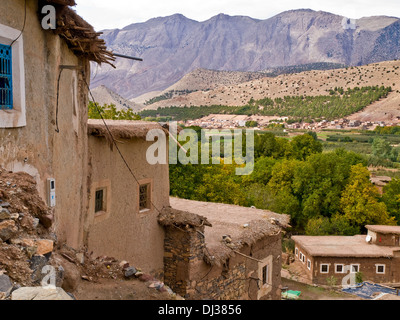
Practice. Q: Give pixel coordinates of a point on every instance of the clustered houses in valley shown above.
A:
(375, 256)
(102, 193)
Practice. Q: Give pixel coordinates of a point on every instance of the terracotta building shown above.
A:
(222, 252)
(43, 104)
(375, 256)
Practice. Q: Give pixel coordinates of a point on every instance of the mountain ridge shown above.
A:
(174, 46)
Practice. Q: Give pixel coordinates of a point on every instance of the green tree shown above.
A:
(262, 171)
(280, 187)
(360, 200)
(268, 145)
(109, 111)
(337, 225)
(320, 181)
(219, 185)
(251, 124)
(391, 197)
(304, 146)
(382, 149)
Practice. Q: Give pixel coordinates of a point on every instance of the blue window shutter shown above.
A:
(6, 84)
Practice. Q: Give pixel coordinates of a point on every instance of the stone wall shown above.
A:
(230, 284)
(182, 248)
(237, 279)
(367, 268)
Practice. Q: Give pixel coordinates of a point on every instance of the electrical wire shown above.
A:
(23, 27)
(58, 96)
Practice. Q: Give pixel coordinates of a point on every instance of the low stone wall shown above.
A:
(230, 285)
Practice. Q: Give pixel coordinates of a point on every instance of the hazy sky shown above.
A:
(105, 14)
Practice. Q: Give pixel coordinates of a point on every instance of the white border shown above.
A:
(16, 117)
(339, 264)
(380, 265)
(324, 264)
(351, 268)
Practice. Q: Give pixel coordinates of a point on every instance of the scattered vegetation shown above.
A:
(168, 95)
(337, 104)
(110, 112)
(324, 192)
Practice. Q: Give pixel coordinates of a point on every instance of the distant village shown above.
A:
(222, 121)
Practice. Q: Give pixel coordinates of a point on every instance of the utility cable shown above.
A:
(23, 27)
(114, 141)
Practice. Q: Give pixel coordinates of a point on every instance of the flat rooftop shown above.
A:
(243, 225)
(384, 229)
(342, 246)
(121, 129)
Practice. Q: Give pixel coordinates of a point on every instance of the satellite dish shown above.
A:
(368, 239)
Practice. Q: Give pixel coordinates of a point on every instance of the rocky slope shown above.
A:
(103, 95)
(173, 46)
(309, 83)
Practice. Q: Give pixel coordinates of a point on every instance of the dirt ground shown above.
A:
(109, 289)
(309, 292)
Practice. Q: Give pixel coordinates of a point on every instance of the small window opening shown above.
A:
(99, 202)
(339, 268)
(144, 197)
(265, 279)
(324, 268)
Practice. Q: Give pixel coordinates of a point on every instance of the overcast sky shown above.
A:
(106, 14)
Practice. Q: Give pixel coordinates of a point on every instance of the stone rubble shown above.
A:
(29, 250)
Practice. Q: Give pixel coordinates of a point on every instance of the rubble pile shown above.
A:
(31, 259)
(26, 241)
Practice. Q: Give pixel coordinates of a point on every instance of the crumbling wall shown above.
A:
(182, 248)
(37, 148)
(237, 278)
(26, 237)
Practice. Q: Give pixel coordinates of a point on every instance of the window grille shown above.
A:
(6, 94)
(144, 202)
(99, 201)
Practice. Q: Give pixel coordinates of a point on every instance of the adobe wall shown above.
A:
(381, 239)
(367, 268)
(124, 233)
(37, 148)
(238, 279)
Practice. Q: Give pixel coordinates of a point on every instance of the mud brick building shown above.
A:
(222, 252)
(43, 105)
(375, 256)
(122, 218)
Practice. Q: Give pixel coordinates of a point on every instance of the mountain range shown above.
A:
(173, 46)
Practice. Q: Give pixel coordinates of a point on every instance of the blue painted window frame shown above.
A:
(6, 81)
